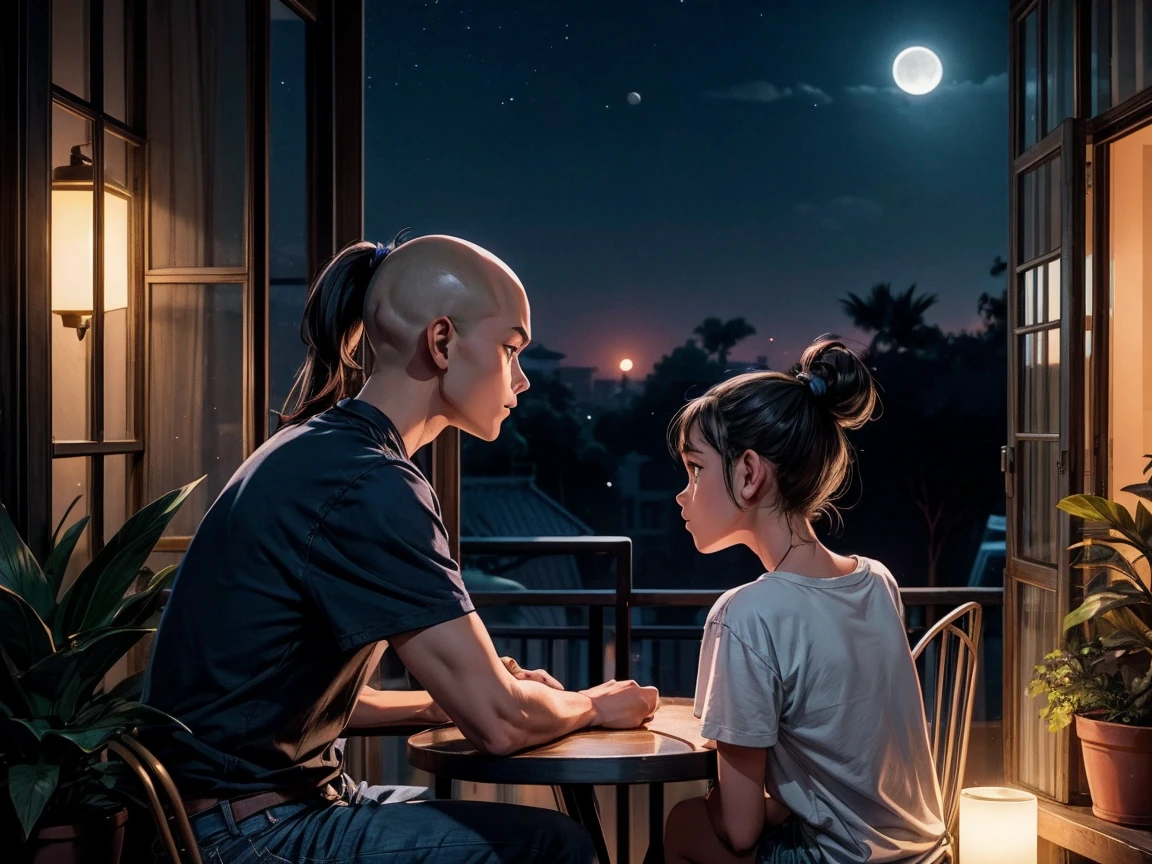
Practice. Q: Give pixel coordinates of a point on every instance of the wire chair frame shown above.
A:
(951, 694)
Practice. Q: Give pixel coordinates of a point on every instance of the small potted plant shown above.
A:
(1102, 675)
(58, 791)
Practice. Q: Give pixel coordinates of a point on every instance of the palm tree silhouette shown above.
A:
(896, 320)
(719, 337)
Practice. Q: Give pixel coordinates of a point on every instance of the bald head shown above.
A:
(435, 277)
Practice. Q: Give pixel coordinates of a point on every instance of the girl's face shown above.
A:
(709, 513)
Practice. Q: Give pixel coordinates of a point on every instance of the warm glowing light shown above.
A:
(997, 826)
(917, 71)
(625, 365)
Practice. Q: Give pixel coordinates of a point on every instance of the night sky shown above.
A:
(770, 167)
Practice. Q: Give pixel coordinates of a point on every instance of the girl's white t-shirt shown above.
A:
(819, 672)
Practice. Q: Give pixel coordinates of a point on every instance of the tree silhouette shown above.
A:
(895, 320)
(717, 337)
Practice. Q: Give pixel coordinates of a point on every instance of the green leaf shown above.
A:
(31, 788)
(19, 571)
(27, 638)
(63, 519)
(138, 608)
(1124, 627)
(99, 589)
(91, 737)
(1141, 490)
(57, 563)
(11, 692)
(1143, 521)
(1097, 554)
(1114, 597)
(69, 676)
(37, 727)
(1093, 508)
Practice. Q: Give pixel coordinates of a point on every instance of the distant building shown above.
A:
(539, 359)
(578, 379)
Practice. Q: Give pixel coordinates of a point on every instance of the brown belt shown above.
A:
(249, 805)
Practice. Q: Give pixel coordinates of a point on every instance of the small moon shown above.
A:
(625, 365)
(633, 98)
(917, 71)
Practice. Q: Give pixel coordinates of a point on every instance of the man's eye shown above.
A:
(511, 349)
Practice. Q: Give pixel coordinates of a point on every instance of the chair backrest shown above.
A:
(950, 651)
(151, 773)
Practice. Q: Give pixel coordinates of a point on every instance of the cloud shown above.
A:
(991, 84)
(814, 93)
(766, 92)
(833, 214)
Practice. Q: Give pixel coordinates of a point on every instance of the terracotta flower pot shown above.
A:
(1118, 762)
(95, 842)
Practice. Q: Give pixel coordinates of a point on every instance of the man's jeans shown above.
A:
(428, 832)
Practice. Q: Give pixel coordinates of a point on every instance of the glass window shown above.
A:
(1030, 81)
(197, 129)
(195, 396)
(1040, 381)
(72, 479)
(1040, 210)
(1036, 746)
(122, 269)
(290, 268)
(117, 492)
(72, 280)
(1130, 314)
(1121, 58)
(1060, 74)
(118, 72)
(71, 44)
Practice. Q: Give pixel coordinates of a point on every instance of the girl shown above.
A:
(806, 680)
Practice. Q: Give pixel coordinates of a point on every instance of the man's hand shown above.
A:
(538, 675)
(622, 704)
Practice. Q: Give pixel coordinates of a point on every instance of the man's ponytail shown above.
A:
(333, 329)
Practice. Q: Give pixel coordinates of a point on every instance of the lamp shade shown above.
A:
(997, 826)
(73, 241)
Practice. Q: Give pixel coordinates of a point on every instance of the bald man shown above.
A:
(327, 546)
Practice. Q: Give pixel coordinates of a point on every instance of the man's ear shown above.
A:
(440, 335)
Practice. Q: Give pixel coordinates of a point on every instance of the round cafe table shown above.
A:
(667, 749)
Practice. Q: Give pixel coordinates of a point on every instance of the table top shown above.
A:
(665, 750)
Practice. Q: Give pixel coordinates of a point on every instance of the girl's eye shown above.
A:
(694, 469)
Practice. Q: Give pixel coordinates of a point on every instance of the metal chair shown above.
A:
(952, 646)
(151, 773)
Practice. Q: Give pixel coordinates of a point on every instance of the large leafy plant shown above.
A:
(1104, 667)
(56, 646)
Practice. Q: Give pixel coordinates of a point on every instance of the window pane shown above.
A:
(1036, 614)
(196, 409)
(118, 503)
(121, 285)
(1030, 120)
(118, 71)
(71, 39)
(72, 478)
(1036, 463)
(1130, 314)
(72, 282)
(288, 228)
(1061, 66)
(1040, 210)
(1121, 63)
(1040, 381)
(1040, 294)
(1101, 56)
(197, 129)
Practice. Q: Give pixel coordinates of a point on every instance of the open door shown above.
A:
(1045, 427)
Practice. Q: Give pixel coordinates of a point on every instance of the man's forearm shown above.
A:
(376, 708)
(543, 714)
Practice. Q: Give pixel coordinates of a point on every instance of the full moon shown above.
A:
(633, 98)
(625, 365)
(917, 71)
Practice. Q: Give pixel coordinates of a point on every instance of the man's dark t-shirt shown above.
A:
(327, 541)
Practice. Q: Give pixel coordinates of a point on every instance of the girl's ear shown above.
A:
(755, 478)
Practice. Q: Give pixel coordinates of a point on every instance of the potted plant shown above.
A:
(1102, 675)
(58, 791)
